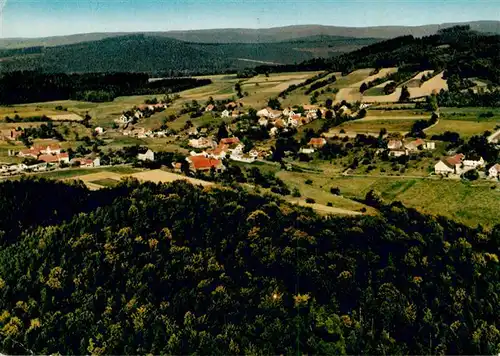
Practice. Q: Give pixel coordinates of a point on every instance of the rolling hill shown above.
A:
(277, 34)
(157, 54)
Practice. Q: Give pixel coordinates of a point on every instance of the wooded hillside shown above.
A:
(457, 50)
(175, 269)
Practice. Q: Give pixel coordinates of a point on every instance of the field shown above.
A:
(374, 126)
(435, 84)
(470, 204)
(463, 127)
(108, 177)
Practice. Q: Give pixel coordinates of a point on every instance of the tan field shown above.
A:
(281, 77)
(66, 117)
(415, 81)
(159, 176)
(348, 94)
(283, 86)
(155, 176)
(382, 73)
(435, 84)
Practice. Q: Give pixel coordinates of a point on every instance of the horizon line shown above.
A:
(248, 28)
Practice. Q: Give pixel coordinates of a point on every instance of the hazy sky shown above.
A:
(36, 18)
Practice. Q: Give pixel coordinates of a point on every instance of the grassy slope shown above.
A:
(467, 203)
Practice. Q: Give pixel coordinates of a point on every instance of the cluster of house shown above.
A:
(212, 155)
(313, 144)
(139, 113)
(143, 133)
(231, 110)
(51, 155)
(48, 154)
(398, 148)
(283, 119)
(458, 164)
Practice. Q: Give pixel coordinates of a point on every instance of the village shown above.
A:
(324, 148)
(209, 152)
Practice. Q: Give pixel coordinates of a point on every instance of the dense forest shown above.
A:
(157, 55)
(458, 50)
(24, 87)
(178, 269)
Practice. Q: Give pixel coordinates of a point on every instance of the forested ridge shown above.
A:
(457, 50)
(177, 269)
(32, 86)
(159, 55)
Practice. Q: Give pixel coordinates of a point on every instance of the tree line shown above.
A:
(31, 86)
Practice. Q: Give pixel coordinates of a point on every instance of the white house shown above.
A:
(193, 153)
(202, 142)
(312, 115)
(288, 112)
(99, 130)
(430, 145)
(449, 165)
(444, 168)
(264, 112)
(53, 149)
(263, 121)
(226, 113)
(394, 144)
(148, 156)
(307, 151)
(242, 158)
(473, 162)
(414, 146)
(124, 119)
(293, 121)
(494, 171)
(398, 153)
(273, 131)
(253, 153)
(87, 162)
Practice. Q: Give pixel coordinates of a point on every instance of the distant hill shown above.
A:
(276, 34)
(158, 54)
(459, 51)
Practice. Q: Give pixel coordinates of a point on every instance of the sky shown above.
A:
(40, 18)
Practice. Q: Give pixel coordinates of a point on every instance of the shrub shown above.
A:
(471, 175)
(335, 191)
(329, 204)
(310, 201)
(296, 193)
(308, 182)
(280, 190)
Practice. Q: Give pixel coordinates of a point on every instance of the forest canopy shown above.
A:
(33, 86)
(178, 269)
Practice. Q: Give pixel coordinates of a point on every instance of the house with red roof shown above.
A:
(317, 142)
(54, 159)
(414, 145)
(204, 164)
(449, 165)
(51, 149)
(30, 152)
(86, 162)
(230, 141)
